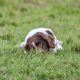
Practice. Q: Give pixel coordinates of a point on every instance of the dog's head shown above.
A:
(40, 40)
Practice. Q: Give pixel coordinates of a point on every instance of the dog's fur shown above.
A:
(43, 39)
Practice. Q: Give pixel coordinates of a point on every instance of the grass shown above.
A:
(18, 17)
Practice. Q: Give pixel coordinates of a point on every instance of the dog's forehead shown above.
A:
(34, 31)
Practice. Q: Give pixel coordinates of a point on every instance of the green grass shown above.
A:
(18, 17)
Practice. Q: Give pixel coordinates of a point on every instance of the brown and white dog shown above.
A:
(41, 39)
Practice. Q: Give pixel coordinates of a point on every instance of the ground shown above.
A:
(18, 17)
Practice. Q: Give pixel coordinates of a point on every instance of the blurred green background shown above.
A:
(18, 17)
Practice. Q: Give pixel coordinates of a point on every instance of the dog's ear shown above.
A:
(49, 39)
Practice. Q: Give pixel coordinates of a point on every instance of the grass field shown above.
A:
(18, 17)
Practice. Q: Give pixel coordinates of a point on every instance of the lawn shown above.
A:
(18, 17)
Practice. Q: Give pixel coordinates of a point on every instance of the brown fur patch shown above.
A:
(41, 41)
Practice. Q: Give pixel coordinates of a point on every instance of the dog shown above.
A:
(42, 39)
